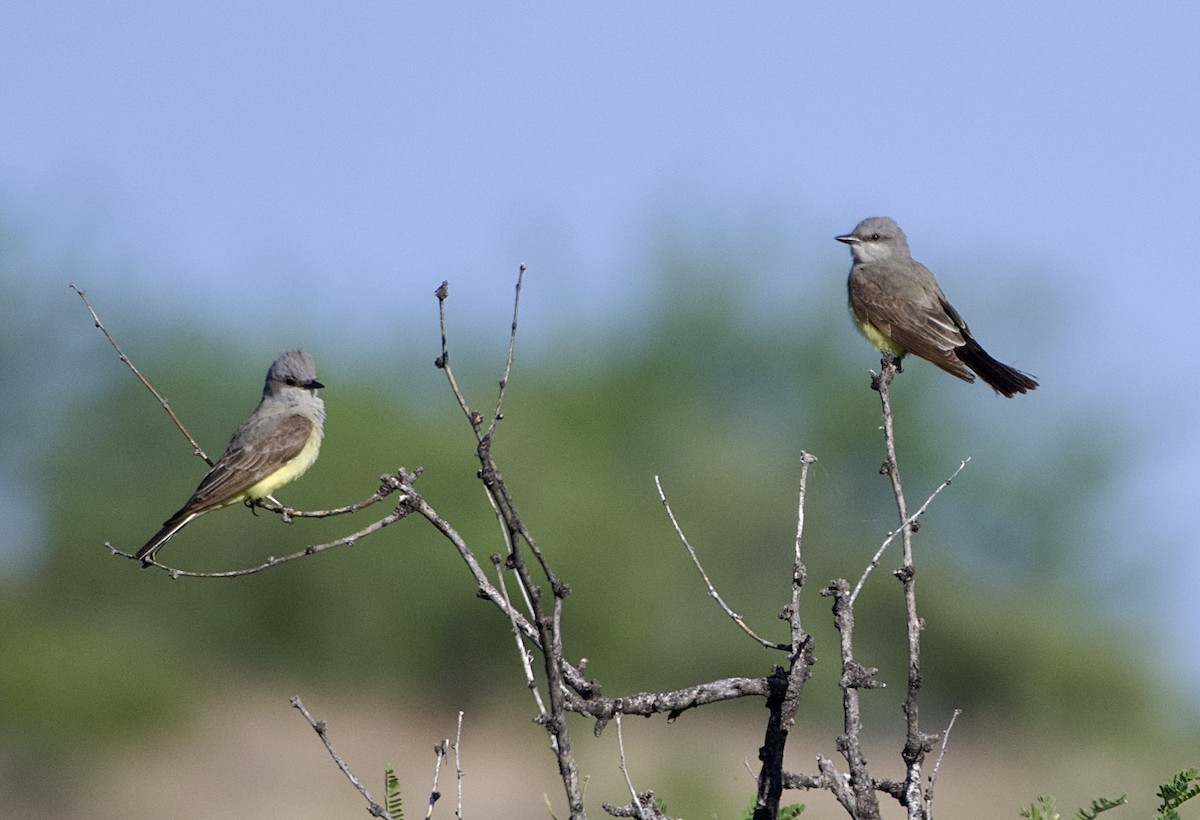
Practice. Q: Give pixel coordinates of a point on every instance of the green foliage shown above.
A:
(391, 794)
(1172, 794)
(1099, 805)
(1042, 809)
(1175, 792)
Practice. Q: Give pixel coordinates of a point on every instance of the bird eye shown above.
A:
(290, 381)
(875, 237)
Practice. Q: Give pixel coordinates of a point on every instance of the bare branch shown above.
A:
(458, 772)
(401, 482)
(512, 345)
(634, 801)
(443, 361)
(916, 743)
(547, 626)
(439, 754)
(526, 662)
(785, 687)
(937, 765)
(712, 590)
(909, 523)
(166, 405)
(855, 676)
(672, 703)
(373, 807)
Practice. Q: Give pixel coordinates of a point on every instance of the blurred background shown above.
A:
(229, 181)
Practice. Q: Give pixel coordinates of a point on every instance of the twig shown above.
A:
(512, 345)
(526, 663)
(443, 361)
(672, 703)
(439, 753)
(458, 772)
(166, 405)
(558, 673)
(400, 482)
(908, 523)
(937, 765)
(385, 489)
(916, 743)
(634, 801)
(785, 687)
(799, 573)
(319, 727)
(855, 676)
(712, 590)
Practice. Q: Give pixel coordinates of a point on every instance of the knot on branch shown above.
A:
(918, 746)
(857, 676)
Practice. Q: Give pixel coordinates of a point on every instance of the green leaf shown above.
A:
(391, 794)
(1099, 805)
(1043, 809)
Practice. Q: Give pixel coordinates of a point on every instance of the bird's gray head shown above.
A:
(876, 239)
(295, 368)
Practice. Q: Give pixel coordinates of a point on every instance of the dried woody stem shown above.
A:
(435, 794)
(712, 591)
(545, 620)
(373, 806)
(916, 743)
(856, 790)
(166, 405)
(785, 685)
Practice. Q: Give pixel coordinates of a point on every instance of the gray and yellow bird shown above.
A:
(897, 304)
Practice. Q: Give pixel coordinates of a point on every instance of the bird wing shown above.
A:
(920, 321)
(253, 455)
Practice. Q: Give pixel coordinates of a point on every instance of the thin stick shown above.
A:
(439, 752)
(166, 405)
(636, 802)
(799, 573)
(908, 523)
(385, 489)
(712, 590)
(937, 764)
(458, 772)
(526, 663)
(512, 345)
(319, 727)
(443, 361)
(916, 744)
(403, 508)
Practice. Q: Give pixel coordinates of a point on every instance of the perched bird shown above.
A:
(273, 447)
(898, 306)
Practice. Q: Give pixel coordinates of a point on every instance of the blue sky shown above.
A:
(310, 164)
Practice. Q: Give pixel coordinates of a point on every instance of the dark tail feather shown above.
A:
(1005, 380)
(172, 526)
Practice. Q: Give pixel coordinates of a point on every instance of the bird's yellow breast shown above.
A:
(286, 474)
(876, 337)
